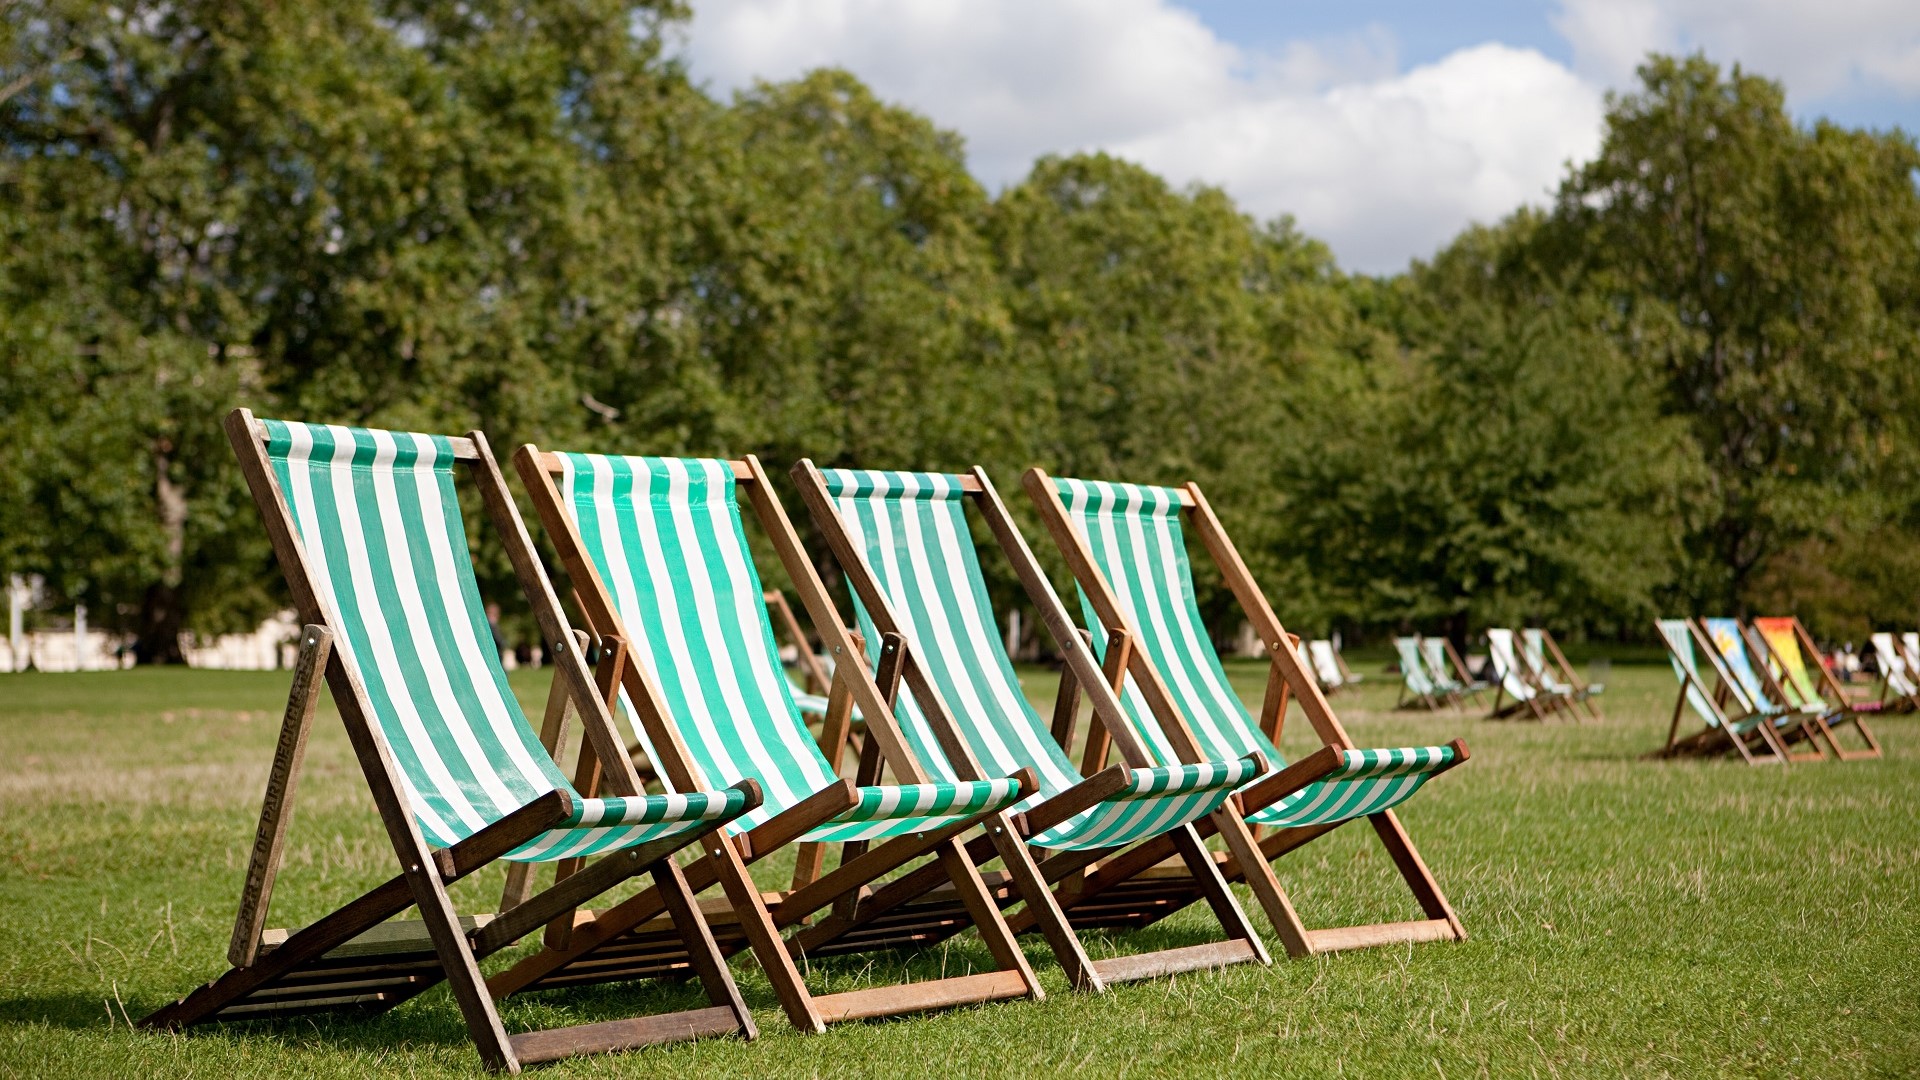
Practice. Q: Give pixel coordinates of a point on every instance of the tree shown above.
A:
(1768, 273)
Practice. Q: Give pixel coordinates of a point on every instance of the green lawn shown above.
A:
(1626, 916)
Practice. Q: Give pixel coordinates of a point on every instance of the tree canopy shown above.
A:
(1690, 382)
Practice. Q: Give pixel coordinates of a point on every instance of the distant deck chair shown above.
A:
(1788, 645)
(1750, 689)
(1418, 687)
(1449, 669)
(1514, 693)
(1910, 648)
(810, 690)
(1898, 690)
(903, 542)
(367, 528)
(1746, 732)
(658, 554)
(1125, 547)
(1327, 666)
(1542, 654)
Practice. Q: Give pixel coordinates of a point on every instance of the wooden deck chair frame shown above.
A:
(1895, 670)
(1435, 696)
(1065, 870)
(1583, 692)
(1287, 677)
(1539, 704)
(1723, 731)
(1470, 687)
(1843, 710)
(354, 958)
(1788, 725)
(613, 944)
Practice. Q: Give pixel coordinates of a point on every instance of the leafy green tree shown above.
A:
(1767, 272)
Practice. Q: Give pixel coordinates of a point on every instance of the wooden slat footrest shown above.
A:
(1155, 965)
(1391, 933)
(921, 996)
(533, 1047)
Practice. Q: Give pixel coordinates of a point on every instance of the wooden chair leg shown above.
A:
(276, 812)
(1213, 887)
(703, 954)
(1426, 891)
(1043, 907)
(1258, 873)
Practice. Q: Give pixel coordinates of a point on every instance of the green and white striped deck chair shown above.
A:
(1910, 648)
(658, 553)
(916, 575)
(1898, 691)
(1128, 552)
(1553, 673)
(1449, 671)
(1514, 692)
(1743, 732)
(1417, 684)
(368, 531)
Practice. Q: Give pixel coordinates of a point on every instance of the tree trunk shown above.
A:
(157, 638)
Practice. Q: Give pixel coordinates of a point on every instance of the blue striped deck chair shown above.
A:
(1551, 671)
(909, 557)
(657, 551)
(1751, 689)
(1514, 692)
(1449, 669)
(1126, 548)
(1743, 731)
(369, 535)
(1417, 685)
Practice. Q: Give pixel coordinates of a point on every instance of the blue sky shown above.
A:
(1382, 127)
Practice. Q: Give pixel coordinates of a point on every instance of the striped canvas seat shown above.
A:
(1506, 666)
(1137, 543)
(1686, 668)
(1533, 650)
(380, 526)
(1746, 688)
(1414, 670)
(1434, 651)
(1893, 666)
(911, 531)
(666, 537)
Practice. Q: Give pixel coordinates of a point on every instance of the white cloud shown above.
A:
(1383, 165)
(1834, 48)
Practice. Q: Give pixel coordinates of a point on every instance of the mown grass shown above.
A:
(1626, 916)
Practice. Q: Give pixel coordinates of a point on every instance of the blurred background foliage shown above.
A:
(1691, 383)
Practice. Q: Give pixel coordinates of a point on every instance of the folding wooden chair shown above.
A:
(1327, 666)
(1449, 669)
(1125, 547)
(1514, 693)
(1552, 671)
(1418, 688)
(1898, 690)
(657, 552)
(1747, 689)
(902, 540)
(1747, 732)
(367, 529)
(1828, 705)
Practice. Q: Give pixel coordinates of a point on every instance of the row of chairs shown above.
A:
(1531, 676)
(676, 664)
(1758, 696)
